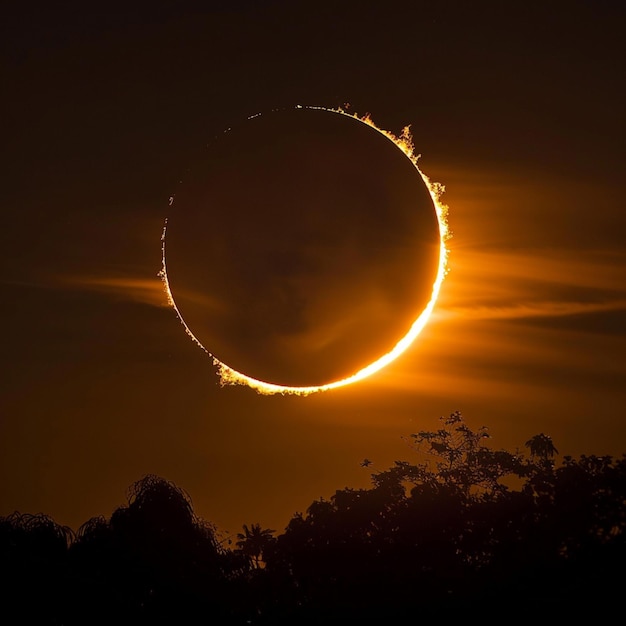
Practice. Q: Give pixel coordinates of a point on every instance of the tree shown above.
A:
(33, 552)
(463, 463)
(153, 561)
(541, 447)
(254, 541)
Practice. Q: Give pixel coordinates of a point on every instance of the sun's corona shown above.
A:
(229, 376)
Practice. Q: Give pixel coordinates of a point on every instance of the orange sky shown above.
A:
(518, 119)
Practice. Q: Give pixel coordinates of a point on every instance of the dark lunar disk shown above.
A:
(302, 247)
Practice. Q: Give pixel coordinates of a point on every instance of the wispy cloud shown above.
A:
(535, 309)
(143, 290)
(537, 283)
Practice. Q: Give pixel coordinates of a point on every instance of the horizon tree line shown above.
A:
(433, 536)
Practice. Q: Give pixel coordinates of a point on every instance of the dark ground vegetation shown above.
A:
(464, 532)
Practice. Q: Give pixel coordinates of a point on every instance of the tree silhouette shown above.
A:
(154, 561)
(541, 446)
(34, 558)
(457, 460)
(435, 537)
(254, 542)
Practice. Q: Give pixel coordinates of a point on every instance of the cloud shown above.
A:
(142, 290)
(532, 309)
(503, 284)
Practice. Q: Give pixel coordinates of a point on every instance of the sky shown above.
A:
(516, 108)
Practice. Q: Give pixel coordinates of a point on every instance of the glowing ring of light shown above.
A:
(229, 376)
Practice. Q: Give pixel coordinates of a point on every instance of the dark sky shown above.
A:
(517, 108)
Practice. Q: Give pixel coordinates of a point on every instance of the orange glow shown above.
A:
(229, 376)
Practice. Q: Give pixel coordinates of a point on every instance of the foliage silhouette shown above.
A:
(153, 562)
(440, 533)
(254, 542)
(430, 540)
(33, 555)
(541, 446)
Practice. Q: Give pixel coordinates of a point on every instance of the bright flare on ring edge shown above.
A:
(229, 376)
